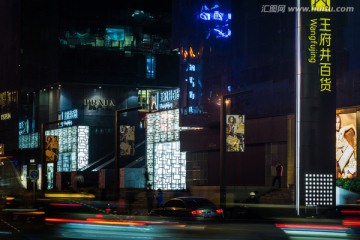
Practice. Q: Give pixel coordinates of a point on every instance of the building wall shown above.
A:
(266, 143)
(263, 63)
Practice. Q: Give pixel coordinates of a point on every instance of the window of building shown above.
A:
(150, 66)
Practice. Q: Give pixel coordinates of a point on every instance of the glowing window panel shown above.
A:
(115, 34)
(73, 147)
(50, 176)
(166, 164)
(314, 195)
(83, 146)
(24, 127)
(29, 141)
(8, 98)
(150, 66)
(40, 177)
(169, 166)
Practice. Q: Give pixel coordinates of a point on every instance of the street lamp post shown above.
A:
(116, 149)
(223, 153)
(223, 179)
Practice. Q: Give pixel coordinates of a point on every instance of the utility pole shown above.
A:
(223, 179)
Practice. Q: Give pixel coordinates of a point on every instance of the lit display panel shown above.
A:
(73, 147)
(29, 141)
(318, 189)
(193, 83)
(166, 164)
(24, 170)
(50, 176)
(8, 98)
(217, 19)
(150, 66)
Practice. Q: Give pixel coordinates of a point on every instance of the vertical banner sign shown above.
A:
(235, 133)
(318, 104)
(51, 148)
(127, 140)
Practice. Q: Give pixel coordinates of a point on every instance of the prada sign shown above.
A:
(99, 104)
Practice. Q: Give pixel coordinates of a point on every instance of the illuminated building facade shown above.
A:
(224, 47)
(77, 64)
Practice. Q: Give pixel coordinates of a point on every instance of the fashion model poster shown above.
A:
(235, 133)
(127, 140)
(51, 148)
(346, 141)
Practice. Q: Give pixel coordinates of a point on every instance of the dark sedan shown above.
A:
(189, 208)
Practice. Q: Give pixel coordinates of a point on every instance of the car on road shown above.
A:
(189, 208)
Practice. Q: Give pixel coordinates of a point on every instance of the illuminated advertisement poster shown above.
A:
(235, 133)
(51, 148)
(346, 156)
(164, 100)
(127, 140)
(154, 99)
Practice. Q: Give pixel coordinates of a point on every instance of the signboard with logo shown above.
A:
(68, 117)
(164, 100)
(99, 101)
(34, 175)
(318, 103)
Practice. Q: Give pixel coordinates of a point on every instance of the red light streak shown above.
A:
(311, 226)
(344, 211)
(351, 222)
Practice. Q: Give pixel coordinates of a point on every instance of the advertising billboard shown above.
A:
(346, 139)
(127, 140)
(51, 148)
(235, 133)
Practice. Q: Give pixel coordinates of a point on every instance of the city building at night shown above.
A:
(254, 68)
(77, 65)
(219, 84)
